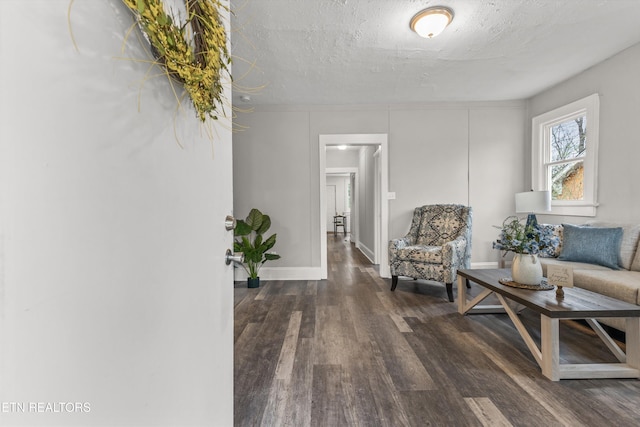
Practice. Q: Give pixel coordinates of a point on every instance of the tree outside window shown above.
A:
(566, 166)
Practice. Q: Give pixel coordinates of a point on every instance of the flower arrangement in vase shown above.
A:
(525, 240)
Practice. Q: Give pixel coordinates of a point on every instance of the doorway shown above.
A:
(376, 253)
(341, 199)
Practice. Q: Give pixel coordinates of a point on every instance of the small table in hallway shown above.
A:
(577, 304)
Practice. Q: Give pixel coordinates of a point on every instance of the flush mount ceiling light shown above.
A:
(432, 21)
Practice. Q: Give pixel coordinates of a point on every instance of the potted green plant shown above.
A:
(250, 241)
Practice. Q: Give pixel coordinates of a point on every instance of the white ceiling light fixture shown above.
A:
(431, 21)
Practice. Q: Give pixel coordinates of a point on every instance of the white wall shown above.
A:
(271, 172)
(342, 158)
(496, 162)
(439, 153)
(106, 230)
(429, 160)
(616, 80)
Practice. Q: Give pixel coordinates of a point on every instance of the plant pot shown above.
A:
(526, 269)
(253, 282)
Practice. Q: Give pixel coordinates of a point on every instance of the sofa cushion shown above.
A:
(574, 265)
(623, 285)
(417, 253)
(594, 245)
(629, 244)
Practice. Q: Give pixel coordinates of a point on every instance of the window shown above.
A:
(565, 156)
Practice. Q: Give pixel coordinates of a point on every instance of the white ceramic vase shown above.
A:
(526, 269)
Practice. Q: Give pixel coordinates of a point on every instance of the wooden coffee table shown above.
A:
(577, 304)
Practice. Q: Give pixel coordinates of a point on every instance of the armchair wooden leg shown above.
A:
(450, 291)
(394, 282)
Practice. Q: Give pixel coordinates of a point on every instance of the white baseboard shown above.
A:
(366, 252)
(313, 273)
(282, 273)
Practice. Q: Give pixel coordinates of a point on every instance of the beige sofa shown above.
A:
(622, 284)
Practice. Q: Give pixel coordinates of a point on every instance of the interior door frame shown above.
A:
(353, 224)
(382, 140)
(377, 205)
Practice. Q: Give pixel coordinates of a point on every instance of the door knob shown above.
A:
(230, 257)
(229, 223)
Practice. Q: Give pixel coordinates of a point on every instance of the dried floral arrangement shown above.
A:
(193, 52)
(521, 238)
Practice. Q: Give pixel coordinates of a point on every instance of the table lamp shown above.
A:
(531, 202)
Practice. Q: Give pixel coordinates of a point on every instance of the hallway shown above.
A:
(347, 351)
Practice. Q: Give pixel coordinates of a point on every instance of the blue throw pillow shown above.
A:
(593, 245)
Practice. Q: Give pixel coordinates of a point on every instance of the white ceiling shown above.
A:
(310, 52)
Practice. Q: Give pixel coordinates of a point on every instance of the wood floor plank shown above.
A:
(392, 304)
(298, 412)
(400, 323)
(288, 350)
(327, 396)
(353, 410)
(246, 341)
(275, 410)
(306, 305)
(405, 368)
(294, 287)
(311, 288)
(263, 292)
(330, 336)
(487, 413)
(358, 318)
(442, 407)
(385, 397)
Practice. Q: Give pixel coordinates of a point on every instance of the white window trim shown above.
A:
(590, 106)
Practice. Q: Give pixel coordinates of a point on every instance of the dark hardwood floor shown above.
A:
(347, 351)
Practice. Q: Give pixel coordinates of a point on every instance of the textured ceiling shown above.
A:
(310, 52)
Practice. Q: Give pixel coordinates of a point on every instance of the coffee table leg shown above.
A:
(550, 347)
(633, 342)
(462, 294)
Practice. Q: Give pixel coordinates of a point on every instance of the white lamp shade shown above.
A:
(533, 201)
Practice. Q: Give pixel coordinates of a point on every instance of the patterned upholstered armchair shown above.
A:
(437, 245)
